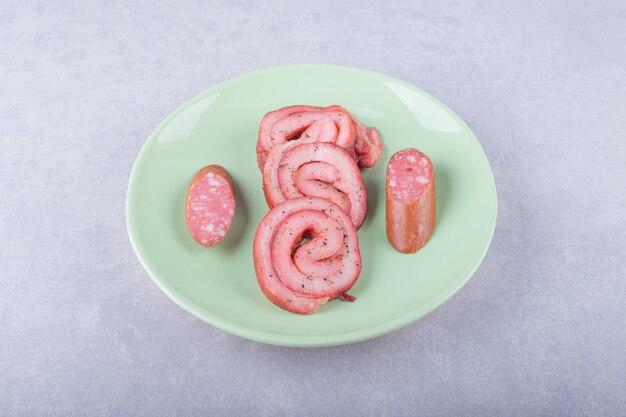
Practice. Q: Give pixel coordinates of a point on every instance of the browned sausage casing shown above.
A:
(410, 192)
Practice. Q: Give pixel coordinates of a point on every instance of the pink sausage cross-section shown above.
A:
(210, 205)
(410, 204)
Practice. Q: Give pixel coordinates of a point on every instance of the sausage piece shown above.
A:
(410, 200)
(210, 205)
(300, 275)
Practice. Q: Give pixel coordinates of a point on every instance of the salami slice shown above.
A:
(410, 200)
(210, 205)
(319, 169)
(301, 276)
(289, 123)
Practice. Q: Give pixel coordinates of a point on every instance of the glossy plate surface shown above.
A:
(220, 126)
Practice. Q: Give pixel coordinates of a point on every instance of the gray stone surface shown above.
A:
(540, 328)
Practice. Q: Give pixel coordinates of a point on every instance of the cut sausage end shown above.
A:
(410, 191)
(210, 205)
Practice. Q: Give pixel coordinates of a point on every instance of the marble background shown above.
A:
(539, 330)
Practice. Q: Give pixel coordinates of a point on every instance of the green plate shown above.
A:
(220, 126)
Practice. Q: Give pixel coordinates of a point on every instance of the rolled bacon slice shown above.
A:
(289, 123)
(301, 276)
(303, 123)
(318, 169)
(368, 146)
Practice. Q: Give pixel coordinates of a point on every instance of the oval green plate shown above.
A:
(220, 126)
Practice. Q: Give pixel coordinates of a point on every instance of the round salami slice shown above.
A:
(300, 275)
(210, 205)
(410, 204)
(319, 169)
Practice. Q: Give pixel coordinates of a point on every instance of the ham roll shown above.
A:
(298, 275)
(291, 122)
(320, 169)
(319, 124)
(368, 146)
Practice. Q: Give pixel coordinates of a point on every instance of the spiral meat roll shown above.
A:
(300, 275)
(301, 122)
(368, 146)
(317, 169)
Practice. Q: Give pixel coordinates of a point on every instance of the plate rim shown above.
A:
(279, 339)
